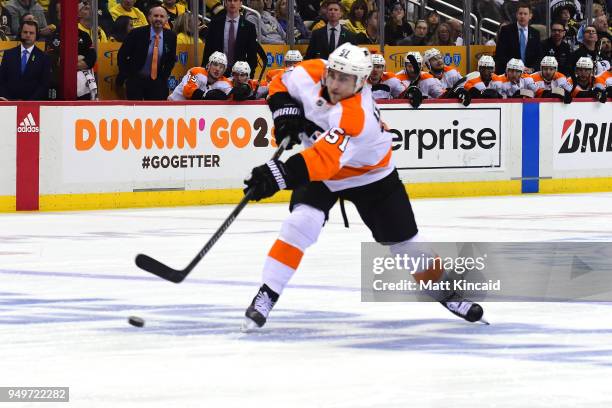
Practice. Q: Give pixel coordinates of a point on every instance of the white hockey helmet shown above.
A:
(218, 58)
(293, 56)
(431, 53)
(378, 59)
(515, 64)
(417, 57)
(550, 62)
(241, 67)
(353, 60)
(584, 62)
(486, 61)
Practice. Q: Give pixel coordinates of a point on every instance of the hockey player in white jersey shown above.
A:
(479, 86)
(205, 83)
(412, 77)
(385, 85)
(350, 159)
(449, 77)
(583, 85)
(603, 82)
(243, 87)
(549, 82)
(514, 83)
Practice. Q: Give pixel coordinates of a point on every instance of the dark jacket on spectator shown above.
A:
(393, 33)
(134, 50)
(562, 53)
(246, 42)
(33, 83)
(319, 42)
(508, 47)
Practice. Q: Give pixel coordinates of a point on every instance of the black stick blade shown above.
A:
(155, 267)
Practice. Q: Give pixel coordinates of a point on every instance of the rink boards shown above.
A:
(72, 156)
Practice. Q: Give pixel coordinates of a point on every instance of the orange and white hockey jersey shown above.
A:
(603, 80)
(558, 81)
(354, 150)
(578, 88)
(477, 83)
(197, 78)
(388, 87)
(272, 73)
(428, 85)
(507, 89)
(449, 77)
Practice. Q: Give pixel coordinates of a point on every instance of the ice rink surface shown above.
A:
(69, 283)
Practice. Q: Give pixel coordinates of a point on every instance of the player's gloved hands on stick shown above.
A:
(600, 95)
(288, 118)
(241, 92)
(266, 180)
(415, 96)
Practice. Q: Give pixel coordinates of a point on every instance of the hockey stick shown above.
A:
(155, 267)
(264, 61)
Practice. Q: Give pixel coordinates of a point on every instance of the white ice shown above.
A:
(69, 283)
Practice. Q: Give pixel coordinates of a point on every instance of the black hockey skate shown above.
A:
(465, 309)
(257, 313)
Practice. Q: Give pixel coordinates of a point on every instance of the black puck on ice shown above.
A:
(136, 321)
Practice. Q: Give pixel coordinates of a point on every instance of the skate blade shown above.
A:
(248, 326)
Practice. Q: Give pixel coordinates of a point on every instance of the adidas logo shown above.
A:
(27, 125)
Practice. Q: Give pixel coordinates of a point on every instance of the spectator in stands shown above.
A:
(183, 29)
(456, 31)
(17, 8)
(419, 37)
(328, 38)
(489, 9)
(564, 11)
(25, 70)
(588, 47)
(556, 47)
(174, 10)
(519, 40)
(371, 35)
(357, 17)
(121, 28)
(146, 58)
(126, 8)
(601, 24)
(433, 20)
(442, 36)
(397, 28)
(234, 36)
(281, 12)
(85, 22)
(308, 9)
(605, 51)
(6, 30)
(271, 31)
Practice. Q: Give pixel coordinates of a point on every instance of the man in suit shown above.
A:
(519, 41)
(324, 40)
(146, 59)
(25, 70)
(231, 34)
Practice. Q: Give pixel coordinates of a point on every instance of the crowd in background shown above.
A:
(315, 23)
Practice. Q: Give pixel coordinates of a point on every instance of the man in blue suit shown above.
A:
(25, 70)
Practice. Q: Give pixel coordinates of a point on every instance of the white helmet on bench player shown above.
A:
(352, 60)
(378, 59)
(241, 67)
(486, 61)
(218, 58)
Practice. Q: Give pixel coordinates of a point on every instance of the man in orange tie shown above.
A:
(147, 57)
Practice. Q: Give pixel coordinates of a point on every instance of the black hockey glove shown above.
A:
(288, 118)
(490, 94)
(567, 98)
(215, 95)
(269, 178)
(241, 92)
(464, 97)
(600, 95)
(415, 97)
(266, 180)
